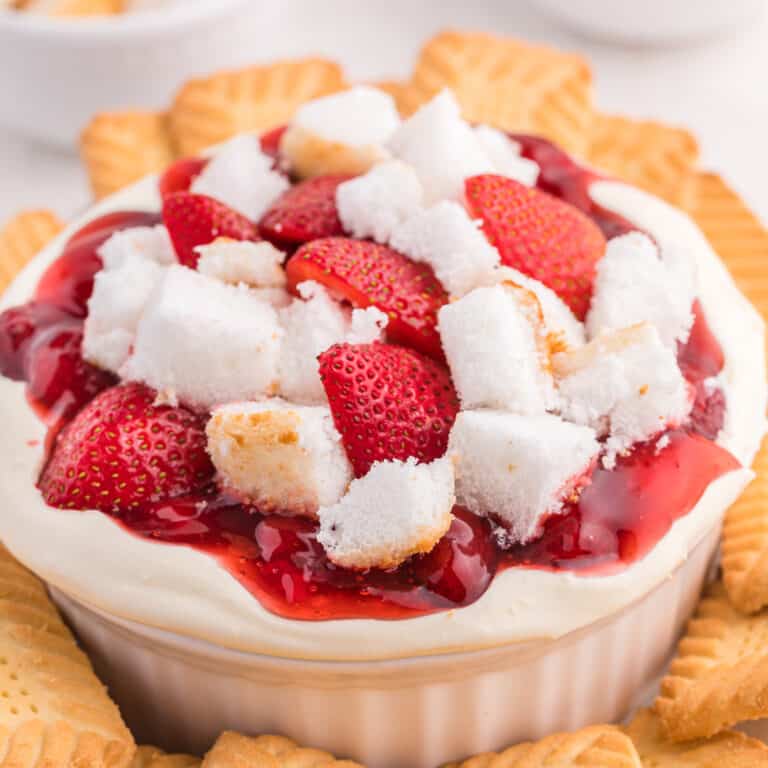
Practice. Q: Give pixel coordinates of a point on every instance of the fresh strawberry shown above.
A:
(194, 220)
(122, 451)
(368, 274)
(388, 402)
(306, 211)
(540, 235)
(270, 141)
(179, 176)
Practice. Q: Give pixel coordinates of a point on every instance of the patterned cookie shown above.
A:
(210, 110)
(22, 238)
(656, 157)
(725, 750)
(152, 757)
(121, 147)
(54, 711)
(511, 85)
(599, 746)
(720, 674)
(232, 750)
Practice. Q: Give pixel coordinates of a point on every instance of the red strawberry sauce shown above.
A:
(618, 518)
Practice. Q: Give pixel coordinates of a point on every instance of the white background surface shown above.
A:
(719, 89)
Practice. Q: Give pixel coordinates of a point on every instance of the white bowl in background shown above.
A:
(651, 22)
(56, 73)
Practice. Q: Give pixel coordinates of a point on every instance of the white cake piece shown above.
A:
(204, 342)
(397, 510)
(625, 384)
(636, 284)
(564, 327)
(279, 456)
(240, 175)
(312, 324)
(375, 204)
(258, 265)
(495, 343)
(504, 153)
(114, 308)
(442, 148)
(444, 237)
(341, 133)
(518, 470)
(151, 243)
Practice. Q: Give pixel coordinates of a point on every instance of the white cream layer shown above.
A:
(88, 556)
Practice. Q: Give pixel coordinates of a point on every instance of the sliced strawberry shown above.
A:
(388, 402)
(540, 235)
(368, 274)
(179, 176)
(122, 451)
(194, 220)
(306, 211)
(270, 141)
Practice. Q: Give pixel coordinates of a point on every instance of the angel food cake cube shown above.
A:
(341, 133)
(625, 384)
(259, 265)
(114, 309)
(441, 147)
(204, 342)
(149, 243)
(496, 350)
(504, 153)
(635, 283)
(279, 456)
(518, 470)
(398, 509)
(378, 202)
(444, 237)
(240, 175)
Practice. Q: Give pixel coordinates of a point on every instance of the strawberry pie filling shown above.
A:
(442, 323)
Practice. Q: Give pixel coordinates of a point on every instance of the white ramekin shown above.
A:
(181, 693)
(55, 74)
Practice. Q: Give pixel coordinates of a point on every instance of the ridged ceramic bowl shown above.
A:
(421, 712)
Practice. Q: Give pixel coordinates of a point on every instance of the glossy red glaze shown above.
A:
(619, 517)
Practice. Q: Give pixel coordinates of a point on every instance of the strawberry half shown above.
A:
(388, 402)
(179, 176)
(122, 451)
(194, 220)
(368, 274)
(540, 235)
(307, 211)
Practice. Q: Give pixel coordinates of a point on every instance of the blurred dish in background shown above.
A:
(56, 74)
(85, 8)
(653, 21)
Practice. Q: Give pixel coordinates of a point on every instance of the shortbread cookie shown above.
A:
(73, 7)
(728, 749)
(511, 85)
(121, 147)
(55, 711)
(735, 233)
(232, 750)
(656, 157)
(720, 674)
(22, 238)
(599, 746)
(742, 242)
(152, 757)
(210, 110)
